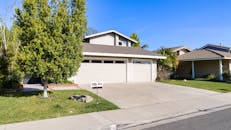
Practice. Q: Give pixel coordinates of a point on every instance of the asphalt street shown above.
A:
(220, 120)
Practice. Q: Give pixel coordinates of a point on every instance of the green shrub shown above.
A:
(211, 77)
(226, 75)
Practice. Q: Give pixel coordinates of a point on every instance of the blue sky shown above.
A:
(161, 23)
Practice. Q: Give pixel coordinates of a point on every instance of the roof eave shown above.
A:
(200, 59)
(110, 31)
(123, 55)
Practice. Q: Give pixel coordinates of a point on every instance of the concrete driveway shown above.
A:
(144, 94)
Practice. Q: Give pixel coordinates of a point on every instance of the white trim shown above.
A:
(193, 70)
(110, 31)
(123, 55)
(199, 59)
(220, 70)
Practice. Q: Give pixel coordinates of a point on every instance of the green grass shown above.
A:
(202, 84)
(18, 107)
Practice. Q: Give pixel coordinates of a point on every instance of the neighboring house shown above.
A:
(180, 50)
(217, 47)
(109, 58)
(210, 59)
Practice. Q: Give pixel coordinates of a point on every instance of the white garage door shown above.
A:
(106, 71)
(142, 71)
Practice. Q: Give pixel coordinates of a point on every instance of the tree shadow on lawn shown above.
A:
(23, 94)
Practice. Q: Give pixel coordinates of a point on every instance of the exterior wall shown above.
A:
(108, 39)
(127, 72)
(202, 68)
(181, 52)
(229, 65)
(184, 69)
(226, 65)
(154, 70)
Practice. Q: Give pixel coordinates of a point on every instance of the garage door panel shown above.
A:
(141, 72)
(106, 73)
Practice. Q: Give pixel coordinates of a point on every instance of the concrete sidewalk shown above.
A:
(130, 116)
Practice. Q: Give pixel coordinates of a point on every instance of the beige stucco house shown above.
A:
(180, 50)
(210, 59)
(110, 58)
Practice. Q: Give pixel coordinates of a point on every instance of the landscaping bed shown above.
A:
(27, 106)
(202, 84)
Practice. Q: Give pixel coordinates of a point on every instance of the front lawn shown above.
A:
(29, 106)
(203, 84)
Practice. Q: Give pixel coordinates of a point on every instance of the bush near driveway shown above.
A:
(27, 106)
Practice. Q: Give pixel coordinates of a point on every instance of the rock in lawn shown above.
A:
(81, 98)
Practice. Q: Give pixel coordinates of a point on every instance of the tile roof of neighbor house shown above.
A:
(110, 31)
(204, 54)
(129, 51)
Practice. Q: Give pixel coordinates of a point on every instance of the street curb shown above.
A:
(177, 117)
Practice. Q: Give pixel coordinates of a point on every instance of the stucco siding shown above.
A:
(204, 68)
(183, 51)
(184, 69)
(229, 65)
(108, 39)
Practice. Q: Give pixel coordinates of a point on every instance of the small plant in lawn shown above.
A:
(211, 77)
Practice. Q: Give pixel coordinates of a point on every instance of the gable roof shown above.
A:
(179, 48)
(217, 47)
(204, 54)
(118, 51)
(110, 31)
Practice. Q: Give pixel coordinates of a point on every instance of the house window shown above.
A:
(119, 62)
(141, 62)
(96, 61)
(120, 43)
(108, 61)
(86, 61)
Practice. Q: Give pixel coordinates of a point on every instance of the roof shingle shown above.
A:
(203, 54)
(116, 49)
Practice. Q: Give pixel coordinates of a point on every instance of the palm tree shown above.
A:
(145, 46)
(171, 61)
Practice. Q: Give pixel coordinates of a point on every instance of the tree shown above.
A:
(51, 34)
(135, 37)
(90, 31)
(144, 46)
(171, 61)
(138, 44)
(10, 75)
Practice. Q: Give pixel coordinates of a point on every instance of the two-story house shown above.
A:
(110, 58)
